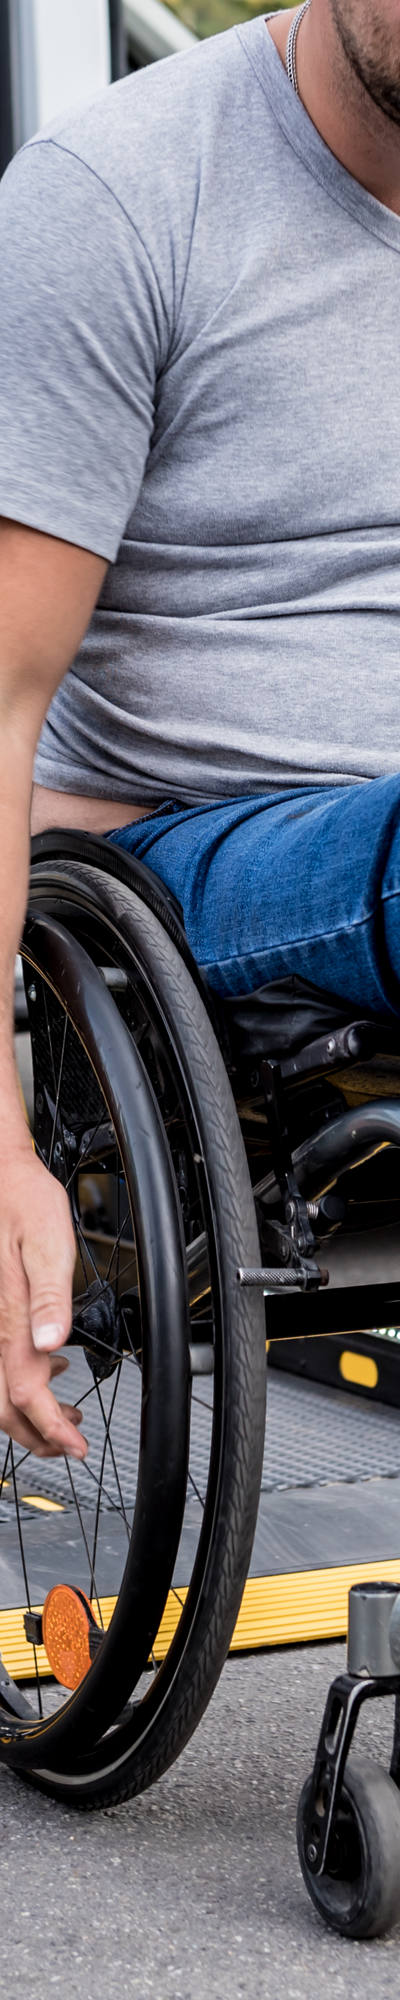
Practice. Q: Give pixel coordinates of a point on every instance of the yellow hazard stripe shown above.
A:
(275, 1611)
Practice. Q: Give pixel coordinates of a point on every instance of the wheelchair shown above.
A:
(221, 1160)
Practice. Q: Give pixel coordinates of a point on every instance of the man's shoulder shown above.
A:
(163, 104)
(146, 139)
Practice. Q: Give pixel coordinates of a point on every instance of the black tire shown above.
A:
(359, 1893)
(113, 920)
(61, 976)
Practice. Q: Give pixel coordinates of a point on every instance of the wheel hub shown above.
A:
(98, 1328)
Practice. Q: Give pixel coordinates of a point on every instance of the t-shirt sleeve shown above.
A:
(83, 334)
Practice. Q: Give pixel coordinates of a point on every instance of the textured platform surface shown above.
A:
(314, 1437)
(329, 1511)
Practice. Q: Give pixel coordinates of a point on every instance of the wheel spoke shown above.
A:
(93, 1585)
(120, 1227)
(58, 1095)
(180, 1600)
(107, 1496)
(135, 1353)
(102, 1281)
(6, 1461)
(56, 1088)
(116, 1246)
(192, 1482)
(82, 1237)
(24, 1569)
(103, 1459)
(108, 1443)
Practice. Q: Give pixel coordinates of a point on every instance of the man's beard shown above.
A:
(368, 58)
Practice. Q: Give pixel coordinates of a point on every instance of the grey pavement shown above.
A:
(192, 1891)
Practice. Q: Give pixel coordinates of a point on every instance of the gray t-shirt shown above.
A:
(199, 380)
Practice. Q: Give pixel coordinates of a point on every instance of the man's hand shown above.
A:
(37, 1258)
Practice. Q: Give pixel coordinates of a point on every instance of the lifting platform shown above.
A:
(329, 1516)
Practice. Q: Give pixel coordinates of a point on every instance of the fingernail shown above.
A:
(47, 1336)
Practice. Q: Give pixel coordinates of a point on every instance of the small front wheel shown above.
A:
(359, 1891)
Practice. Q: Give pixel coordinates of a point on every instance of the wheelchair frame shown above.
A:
(295, 1208)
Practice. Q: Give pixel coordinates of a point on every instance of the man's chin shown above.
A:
(363, 45)
(387, 100)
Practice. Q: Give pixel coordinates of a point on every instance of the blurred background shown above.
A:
(202, 17)
(55, 54)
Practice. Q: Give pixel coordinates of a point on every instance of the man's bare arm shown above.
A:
(48, 590)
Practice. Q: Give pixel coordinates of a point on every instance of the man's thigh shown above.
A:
(304, 881)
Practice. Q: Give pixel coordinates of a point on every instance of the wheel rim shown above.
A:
(74, 895)
(204, 1502)
(148, 1381)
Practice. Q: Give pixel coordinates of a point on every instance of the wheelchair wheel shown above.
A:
(78, 1033)
(162, 1009)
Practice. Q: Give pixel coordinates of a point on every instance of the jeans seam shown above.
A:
(317, 937)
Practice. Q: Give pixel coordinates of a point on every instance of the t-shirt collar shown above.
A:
(302, 135)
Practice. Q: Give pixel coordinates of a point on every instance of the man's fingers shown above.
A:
(70, 1411)
(37, 1260)
(27, 1377)
(51, 1419)
(16, 1424)
(48, 1258)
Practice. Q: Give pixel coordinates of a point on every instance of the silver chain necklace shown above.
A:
(291, 46)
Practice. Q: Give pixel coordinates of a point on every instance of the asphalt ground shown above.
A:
(192, 1891)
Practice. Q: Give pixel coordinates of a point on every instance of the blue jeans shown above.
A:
(305, 880)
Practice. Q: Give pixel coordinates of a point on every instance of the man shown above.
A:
(200, 542)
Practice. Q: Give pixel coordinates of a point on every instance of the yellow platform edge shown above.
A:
(285, 1610)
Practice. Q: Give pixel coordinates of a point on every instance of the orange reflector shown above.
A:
(67, 1619)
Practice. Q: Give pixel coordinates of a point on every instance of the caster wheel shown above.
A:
(359, 1892)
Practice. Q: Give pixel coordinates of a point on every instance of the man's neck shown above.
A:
(362, 137)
